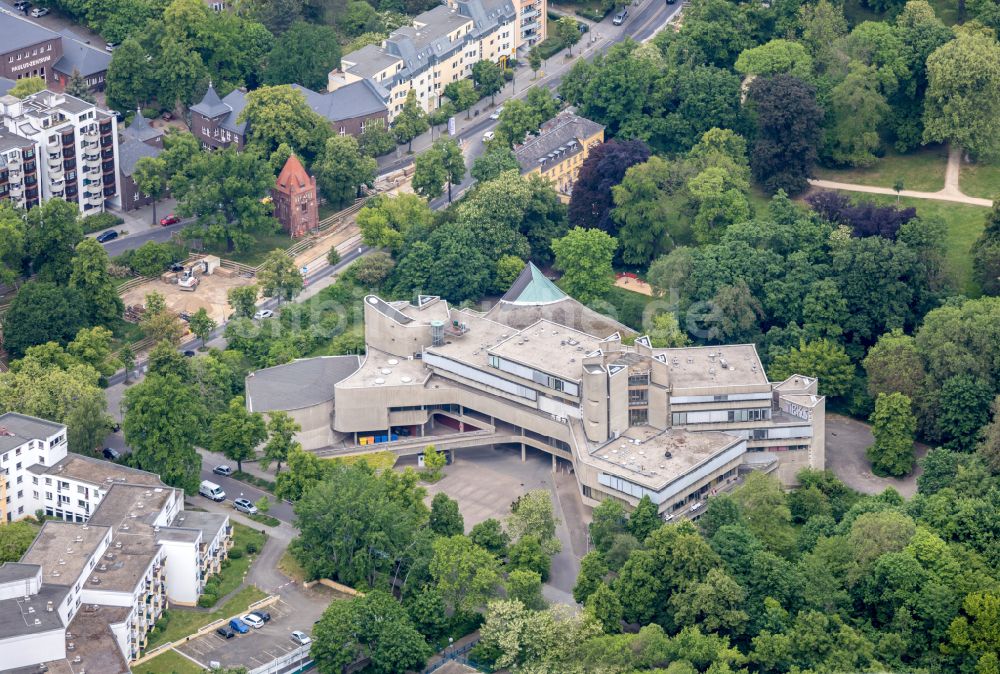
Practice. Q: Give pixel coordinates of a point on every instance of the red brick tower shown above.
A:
(294, 196)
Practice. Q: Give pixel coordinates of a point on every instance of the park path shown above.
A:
(950, 192)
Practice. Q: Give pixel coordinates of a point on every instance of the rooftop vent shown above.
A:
(38, 622)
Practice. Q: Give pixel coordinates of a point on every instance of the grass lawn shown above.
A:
(922, 170)
(254, 254)
(185, 621)
(289, 566)
(965, 224)
(231, 577)
(377, 460)
(980, 180)
(171, 661)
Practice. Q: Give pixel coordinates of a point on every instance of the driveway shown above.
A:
(846, 442)
(237, 489)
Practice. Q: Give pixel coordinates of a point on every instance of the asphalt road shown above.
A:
(235, 489)
(160, 235)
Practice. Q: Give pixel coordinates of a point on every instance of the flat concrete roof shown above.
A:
(471, 348)
(63, 548)
(301, 383)
(208, 523)
(14, 571)
(384, 369)
(99, 472)
(703, 366)
(549, 347)
(18, 615)
(645, 462)
(93, 641)
(130, 505)
(17, 429)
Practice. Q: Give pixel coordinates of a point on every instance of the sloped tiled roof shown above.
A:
(356, 99)
(140, 129)
(293, 174)
(130, 151)
(211, 105)
(17, 33)
(82, 58)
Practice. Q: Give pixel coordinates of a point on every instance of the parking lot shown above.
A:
(255, 648)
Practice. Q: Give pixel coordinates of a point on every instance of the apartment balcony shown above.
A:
(15, 162)
(528, 27)
(529, 14)
(67, 140)
(16, 189)
(29, 166)
(91, 133)
(108, 153)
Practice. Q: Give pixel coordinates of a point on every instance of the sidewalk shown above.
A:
(141, 219)
(554, 66)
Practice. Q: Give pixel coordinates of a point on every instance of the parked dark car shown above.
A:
(111, 454)
(263, 615)
(109, 235)
(239, 626)
(184, 316)
(189, 353)
(22, 5)
(225, 633)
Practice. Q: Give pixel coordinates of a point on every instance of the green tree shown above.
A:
(243, 300)
(488, 78)
(376, 140)
(87, 424)
(373, 625)
(466, 575)
(644, 520)
(127, 357)
(202, 325)
(644, 212)
(720, 197)
(237, 432)
(822, 359)
(963, 408)
(489, 535)
(525, 586)
(385, 220)
(223, 189)
(342, 170)
(962, 103)
(608, 520)
(92, 346)
(528, 554)
(150, 176)
(280, 115)
(15, 539)
(158, 323)
(179, 149)
(90, 277)
(584, 256)
(775, 57)
(788, 132)
(452, 160)
(281, 429)
(52, 234)
(894, 365)
(446, 520)
(27, 86)
(462, 94)
(605, 607)
(163, 420)
(12, 236)
(976, 631)
(77, 86)
(858, 109)
(497, 159)
(986, 254)
(411, 121)
(532, 514)
(592, 573)
(178, 71)
(279, 277)
(534, 62)
(567, 31)
(434, 461)
(429, 174)
(42, 312)
(666, 332)
(893, 426)
(304, 54)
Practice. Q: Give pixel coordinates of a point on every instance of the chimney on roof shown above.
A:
(5, 433)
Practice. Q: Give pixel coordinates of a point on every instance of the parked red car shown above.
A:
(170, 220)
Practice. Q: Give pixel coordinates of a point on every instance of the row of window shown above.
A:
(682, 418)
(34, 52)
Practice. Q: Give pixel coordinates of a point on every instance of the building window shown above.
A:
(638, 417)
(638, 396)
(679, 418)
(638, 379)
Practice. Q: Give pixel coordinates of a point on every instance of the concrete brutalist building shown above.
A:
(541, 372)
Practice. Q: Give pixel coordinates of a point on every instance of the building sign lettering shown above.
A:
(30, 64)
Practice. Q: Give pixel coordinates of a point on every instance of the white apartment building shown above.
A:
(100, 576)
(56, 145)
(441, 47)
(541, 371)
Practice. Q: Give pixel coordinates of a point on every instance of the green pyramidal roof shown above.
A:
(531, 287)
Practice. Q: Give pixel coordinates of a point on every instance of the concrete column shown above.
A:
(523, 458)
(554, 463)
(355, 437)
(421, 430)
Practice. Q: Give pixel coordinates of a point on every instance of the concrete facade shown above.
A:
(119, 549)
(631, 420)
(74, 153)
(440, 47)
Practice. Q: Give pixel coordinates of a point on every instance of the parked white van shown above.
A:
(212, 491)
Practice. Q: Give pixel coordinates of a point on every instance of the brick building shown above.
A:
(294, 194)
(138, 140)
(29, 50)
